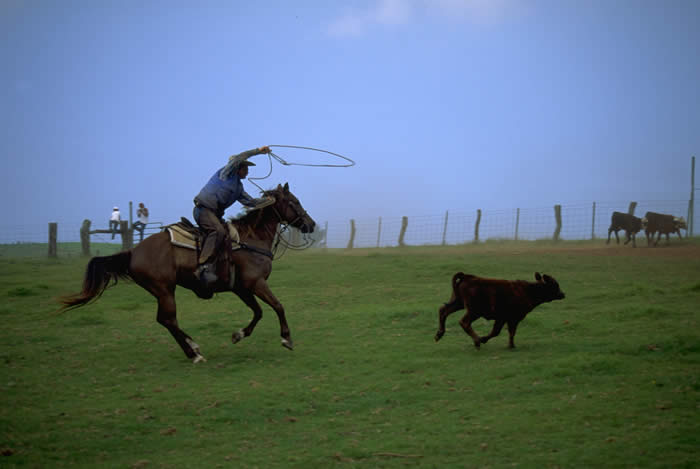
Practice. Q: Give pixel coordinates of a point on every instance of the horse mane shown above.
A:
(253, 217)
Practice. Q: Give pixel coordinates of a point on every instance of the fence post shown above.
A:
(325, 235)
(127, 235)
(631, 208)
(379, 230)
(476, 225)
(557, 218)
(53, 231)
(85, 237)
(444, 229)
(593, 223)
(352, 234)
(404, 225)
(517, 222)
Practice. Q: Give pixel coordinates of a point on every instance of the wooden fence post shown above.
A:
(517, 222)
(325, 235)
(630, 210)
(404, 225)
(127, 235)
(557, 218)
(85, 237)
(444, 228)
(352, 234)
(53, 232)
(476, 225)
(379, 231)
(593, 223)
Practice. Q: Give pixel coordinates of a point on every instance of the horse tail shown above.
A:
(100, 274)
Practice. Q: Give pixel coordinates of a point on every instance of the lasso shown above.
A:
(307, 242)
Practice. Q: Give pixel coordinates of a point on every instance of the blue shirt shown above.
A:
(225, 187)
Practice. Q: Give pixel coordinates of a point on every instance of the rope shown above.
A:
(283, 162)
(281, 230)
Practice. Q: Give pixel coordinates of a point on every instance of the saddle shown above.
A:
(186, 235)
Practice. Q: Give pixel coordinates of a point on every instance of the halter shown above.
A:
(284, 226)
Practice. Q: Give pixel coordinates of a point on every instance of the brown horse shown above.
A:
(159, 266)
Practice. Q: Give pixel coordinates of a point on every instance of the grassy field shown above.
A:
(608, 377)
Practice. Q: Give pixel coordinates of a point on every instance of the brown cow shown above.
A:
(504, 301)
(624, 221)
(662, 224)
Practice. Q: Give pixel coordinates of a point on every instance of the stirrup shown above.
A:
(206, 275)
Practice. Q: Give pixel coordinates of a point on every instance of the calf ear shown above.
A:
(547, 278)
(538, 277)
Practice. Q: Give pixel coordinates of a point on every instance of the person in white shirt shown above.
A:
(114, 221)
(142, 214)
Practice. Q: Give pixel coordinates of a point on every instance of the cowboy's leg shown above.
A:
(209, 222)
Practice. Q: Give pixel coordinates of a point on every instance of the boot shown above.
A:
(206, 274)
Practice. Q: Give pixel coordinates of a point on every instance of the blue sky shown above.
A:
(443, 104)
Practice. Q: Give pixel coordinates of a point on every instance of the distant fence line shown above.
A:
(568, 222)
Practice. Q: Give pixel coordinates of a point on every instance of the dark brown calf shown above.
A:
(624, 221)
(504, 301)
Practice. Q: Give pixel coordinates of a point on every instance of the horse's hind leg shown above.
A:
(168, 319)
(262, 291)
(249, 299)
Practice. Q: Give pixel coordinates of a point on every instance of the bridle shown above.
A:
(283, 226)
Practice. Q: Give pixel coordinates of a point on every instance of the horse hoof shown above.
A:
(237, 336)
(198, 359)
(288, 344)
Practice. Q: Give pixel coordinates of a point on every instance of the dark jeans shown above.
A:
(114, 227)
(215, 229)
(138, 226)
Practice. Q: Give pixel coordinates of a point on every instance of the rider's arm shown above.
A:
(235, 160)
(247, 200)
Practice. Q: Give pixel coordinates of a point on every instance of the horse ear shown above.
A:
(286, 187)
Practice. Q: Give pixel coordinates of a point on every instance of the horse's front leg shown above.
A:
(262, 291)
(249, 299)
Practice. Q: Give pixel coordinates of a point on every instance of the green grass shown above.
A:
(608, 377)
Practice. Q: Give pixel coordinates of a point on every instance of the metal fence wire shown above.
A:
(579, 222)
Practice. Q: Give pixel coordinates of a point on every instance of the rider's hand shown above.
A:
(264, 149)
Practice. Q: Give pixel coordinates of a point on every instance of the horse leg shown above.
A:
(167, 318)
(262, 291)
(249, 299)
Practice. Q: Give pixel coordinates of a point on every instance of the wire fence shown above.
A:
(579, 222)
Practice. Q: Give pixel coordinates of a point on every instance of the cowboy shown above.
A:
(114, 220)
(223, 189)
(142, 214)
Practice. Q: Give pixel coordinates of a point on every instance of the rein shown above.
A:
(281, 227)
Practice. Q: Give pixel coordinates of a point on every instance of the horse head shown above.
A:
(289, 209)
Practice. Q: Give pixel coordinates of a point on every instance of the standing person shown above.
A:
(223, 189)
(142, 214)
(114, 220)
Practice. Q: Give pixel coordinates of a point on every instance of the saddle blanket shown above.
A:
(184, 238)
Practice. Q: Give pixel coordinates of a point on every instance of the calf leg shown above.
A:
(512, 326)
(628, 237)
(497, 326)
(446, 310)
(466, 323)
